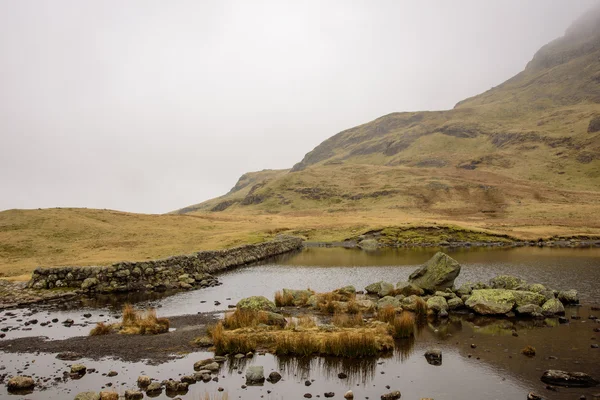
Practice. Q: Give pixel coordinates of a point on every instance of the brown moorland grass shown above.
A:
(386, 314)
(529, 351)
(421, 310)
(301, 322)
(244, 319)
(134, 322)
(348, 320)
(282, 300)
(403, 326)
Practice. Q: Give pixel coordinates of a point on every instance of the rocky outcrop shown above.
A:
(183, 271)
(380, 288)
(438, 273)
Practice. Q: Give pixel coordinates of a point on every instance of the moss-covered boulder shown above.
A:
(274, 319)
(407, 289)
(346, 292)
(523, 297)
(568, 296)
(438, 273)
(410, 303)
(437, 304)
(455, 303)
(529, 309)
(537, 288)
(380, 288)
(388, 301)
(366, 305)
(507, 282)
(256, 303)
(553, 307)
(491, 301)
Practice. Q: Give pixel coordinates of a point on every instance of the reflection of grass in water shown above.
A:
(404, 348)
(236, 364)
(360, 370)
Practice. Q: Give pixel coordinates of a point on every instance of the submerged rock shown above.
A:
(256, 303)
(255, 375)
(438, 273)
(154, 388)
(571, 379)
(491, 301)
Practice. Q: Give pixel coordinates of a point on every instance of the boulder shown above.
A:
(109, 395)
(89, 284)
(368, 244)
(87, 396)
(447, 295)
(154, 388)
(366, 305)
(438, 273)
(455, 303)
(406, 288)
(256, 303)
(212, 367)
(491, 301)
(434, 356)
(133, 395)
(380, 288)
(571, 379)
(346, 291)
(537, 288)
(529, 309)
(144, 380)
(388, 301)
(198, 365)
(78, 369)
(274, 319)
(255, 375)
(523, 298)
(437, 304)
(507, 282)
(568, 296)
(553, 307)
(410, 303)
(395, 395)
(17, 383)
(274, 377)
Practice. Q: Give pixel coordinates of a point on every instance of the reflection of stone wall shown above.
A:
(183, 271)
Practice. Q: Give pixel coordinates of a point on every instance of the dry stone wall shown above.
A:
(183, 271)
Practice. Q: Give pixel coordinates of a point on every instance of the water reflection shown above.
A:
(358, 371)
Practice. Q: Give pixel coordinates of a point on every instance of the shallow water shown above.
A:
(501, 372)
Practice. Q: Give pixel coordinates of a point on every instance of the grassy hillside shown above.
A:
(525, 153)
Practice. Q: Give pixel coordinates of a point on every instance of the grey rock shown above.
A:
(438, 273)
(571, 379)
(255, 375)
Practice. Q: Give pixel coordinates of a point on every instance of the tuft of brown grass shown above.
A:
(403, 326)
(353, 307)
(130, 316)
(244, 319)
(421, 309)
(348, 320)
(101, 329)
(303, 321)
(232, 343)
(283, 300)
(301, 344)
(351, 344)
(529, 351)
(386, 314)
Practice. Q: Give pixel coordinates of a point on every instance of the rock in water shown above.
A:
(568, 296)
(533, 396)
(274, 377)
(571, 379)
(144, 380)
(349, 395)
(395, 395)
(20, 383)
(256, 303)
(109, 395)
(506, 282)
(438, 273)
(133, 395)
(523, 298)
(434, 356)
(491, 301)
(553, 307)
(255, 375)
(437, 304)
(78, 369)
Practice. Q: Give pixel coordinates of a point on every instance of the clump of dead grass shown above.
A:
(134, 323)
(386, 314)
(348, 320)
(403, 326)
(529, 351)
(421, 309)
(283, 300)
(244, 319)
(101, 329)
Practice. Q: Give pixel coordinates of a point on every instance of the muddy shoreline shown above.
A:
(154, 349)
(567, 243)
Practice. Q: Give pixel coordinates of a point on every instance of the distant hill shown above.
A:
(525, 152)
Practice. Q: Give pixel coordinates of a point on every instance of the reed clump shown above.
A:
(134, 322)
(302, 322)
(101, 329)
(421, 308)
(348, 320)
(529, 351)
(386, 314)
(283, 299)
(403, 326)
(231, 343)
(244, 319)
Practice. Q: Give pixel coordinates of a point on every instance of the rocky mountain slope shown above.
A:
(527, 150)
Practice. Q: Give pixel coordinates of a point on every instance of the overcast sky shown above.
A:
(149, 106)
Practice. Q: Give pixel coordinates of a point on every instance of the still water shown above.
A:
(494, 369)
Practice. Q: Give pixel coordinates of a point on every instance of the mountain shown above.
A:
(525, 153)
